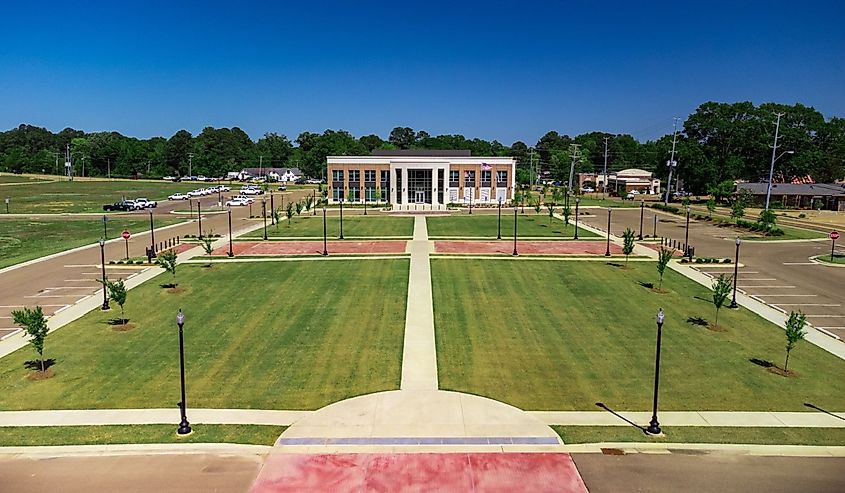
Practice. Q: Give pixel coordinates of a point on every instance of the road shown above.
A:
(61, 281)
(778, 273)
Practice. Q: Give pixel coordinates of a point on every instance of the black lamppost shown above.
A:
(607, 252)
(654, 426)
(231, 252)
(654, 227)
(499, 231)
(514, 232)
(105, 228)
(736, 273)
(152, 237)
(314, 210)
(103, 262)
(325, 250)
(184, 426)
(272, 210)
(365, 200)
(686, 237)
(199, 217)
(577, 201)
(264, 215)
(642, 212)
(470, 199)
(341, 217)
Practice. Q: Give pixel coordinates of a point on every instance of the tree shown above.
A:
(536, 203)
(767, 218)
(277, 215)
(551, 207)
(794, 332)
(516, 198)
(738, 205)
(664, 255)
(628, 245)
(722, 190)
(35, 324)
(298, 206)
(167, 260)
(721, 289)
(711, 207)
(289, 212)
(402, 137)
(309, 201)
(117, 293)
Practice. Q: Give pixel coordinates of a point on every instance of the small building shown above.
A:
(274, 174)
(623, 181)
(421, 177)
(828, 196)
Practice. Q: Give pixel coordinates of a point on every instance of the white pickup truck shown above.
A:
(144, 203)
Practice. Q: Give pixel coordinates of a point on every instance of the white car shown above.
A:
(178, 196)
(251, 191)
(246, 199)
(237, 202)
(313, 181)
(169, 178)
(588, 190)
(223, 188)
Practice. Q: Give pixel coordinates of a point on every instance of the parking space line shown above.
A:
(800, 263)
(766, 287)
(51, 296)
(22, 306)
(809, 304)
(81, 280)
(829, 328)
(826, 316)
(791, 295)
(76, 266)
(68, 287)
(759, 279)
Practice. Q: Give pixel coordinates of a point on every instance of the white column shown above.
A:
(404, 189)
(392, 186)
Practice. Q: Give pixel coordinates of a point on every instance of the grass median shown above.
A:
(372, 226)
(545, 335)
(704, 434)
(296, 335)
(30, 436)
(485, 226)
(27, 239)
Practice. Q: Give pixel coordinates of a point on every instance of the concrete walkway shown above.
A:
(419, 358)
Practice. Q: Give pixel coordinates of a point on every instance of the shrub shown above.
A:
(726, 261)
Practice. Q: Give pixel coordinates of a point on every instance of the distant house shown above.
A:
(623, 181)
(829, 196)
(275, 174)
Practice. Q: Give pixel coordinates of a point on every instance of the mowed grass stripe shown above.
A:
(296, 335)
(486, 225)
(308, 225)
(546, 335)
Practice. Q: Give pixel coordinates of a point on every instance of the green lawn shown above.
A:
(547, 335)
(838, 258)
(291, 335)
(307, 225)
(6, 178)
(27, 436)
(703, 434)
(789, 233)
(51, 197)
(27, 239)
(486, 226)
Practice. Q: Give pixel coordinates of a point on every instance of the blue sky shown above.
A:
(496, 70)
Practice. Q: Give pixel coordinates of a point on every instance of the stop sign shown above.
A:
(125, 234)
(834, 235)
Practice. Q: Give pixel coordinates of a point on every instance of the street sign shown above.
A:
(834, 235)
(125, 234)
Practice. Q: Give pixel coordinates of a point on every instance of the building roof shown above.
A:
(814, 189)
(633, 172)
(267, 170)
(422, 152)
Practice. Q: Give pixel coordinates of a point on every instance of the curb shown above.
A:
(135, 449)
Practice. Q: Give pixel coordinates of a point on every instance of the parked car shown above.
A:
(178, 196)
(237, 202)
(313, 181)
(223, 188)
(169, 178)
(252, 191)
(144, 203)
(282, 188)
(246, 199)
(123, 205)
(588, 189)
(197, 193)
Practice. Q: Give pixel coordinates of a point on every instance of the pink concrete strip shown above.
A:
(471, 472)
(527, 247)
(312, 247)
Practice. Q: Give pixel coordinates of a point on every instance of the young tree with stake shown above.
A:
(289, 212)
(663, 258)
(722, 286)
(794, 332)
(118, 293)
(32, 320)
(167, 261)
(628, 245)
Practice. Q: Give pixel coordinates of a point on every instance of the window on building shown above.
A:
(385, 179)
(485, 178)
(469, 178)
(454, 178)
(354, 176)
(370, 176)
(337, 175)
(370, 194)
(354, 194)
(337, 194)
(501, 178)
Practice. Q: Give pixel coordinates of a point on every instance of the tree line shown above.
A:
(718, 142)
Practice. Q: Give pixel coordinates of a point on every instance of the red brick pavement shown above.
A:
(527, 247)
(247, 248)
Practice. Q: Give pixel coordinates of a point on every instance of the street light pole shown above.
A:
(736, 274)
(515, 253)
(184, 426)
(607, 252)
(654, 227)
(105, 228)
(103, 262)
(272, 210)
(325, 249)
(577, 201)
(199, 217)
(264, 215)
(341, 218)
(642, 213)
(152, 236)
(654, 425)
(672, 164)
(686, 237)
(231, 252)
(499, 233)
(772, 167)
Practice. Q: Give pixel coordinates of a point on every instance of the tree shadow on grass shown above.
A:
(35, 364)
(169, 285)
(762, 362)
(701, 321)
(647, 285)
(623, 418)
(117, 321)
(614, 264)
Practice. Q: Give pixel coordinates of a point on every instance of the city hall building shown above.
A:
(421, 177)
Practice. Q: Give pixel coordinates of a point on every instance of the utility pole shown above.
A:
(83, 165)
(68, 164)
(57, 162)
(774, 153)
(672, 164)
(574, 156)
(604, 172)
(108, 167)
(531, 166)
(190, 163)
(260, 166)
